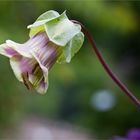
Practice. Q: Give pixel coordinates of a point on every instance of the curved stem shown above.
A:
(106, 67)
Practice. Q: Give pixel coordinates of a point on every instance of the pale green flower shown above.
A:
(53, 38)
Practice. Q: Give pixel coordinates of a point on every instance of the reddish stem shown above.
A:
(106, 67)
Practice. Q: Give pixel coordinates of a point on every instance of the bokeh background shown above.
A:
(80, 94)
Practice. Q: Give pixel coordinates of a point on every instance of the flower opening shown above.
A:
(31, 67)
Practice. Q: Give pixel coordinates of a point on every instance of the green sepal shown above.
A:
(61, 30)
(72, 47)
(38, 25)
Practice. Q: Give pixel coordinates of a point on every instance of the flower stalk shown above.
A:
(106, 66)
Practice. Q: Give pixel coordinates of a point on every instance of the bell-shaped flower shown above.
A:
(53, 38)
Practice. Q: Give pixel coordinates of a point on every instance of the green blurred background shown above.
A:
(80, 93)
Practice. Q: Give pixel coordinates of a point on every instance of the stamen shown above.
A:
(38, 74)
(27, 83)
(33, 70)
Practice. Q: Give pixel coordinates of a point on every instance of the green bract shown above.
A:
(61, 31)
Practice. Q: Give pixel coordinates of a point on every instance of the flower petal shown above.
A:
(22, 49)
(47, 56)
(11, 48)
(33, 44)
(36, 75)
(37, 42)
(42, 86)
(16, 69)
(39, 78)
(7, 51)
(21, 66)
(30, 73)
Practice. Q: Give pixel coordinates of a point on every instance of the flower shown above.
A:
(133, 134)
(53, 38)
